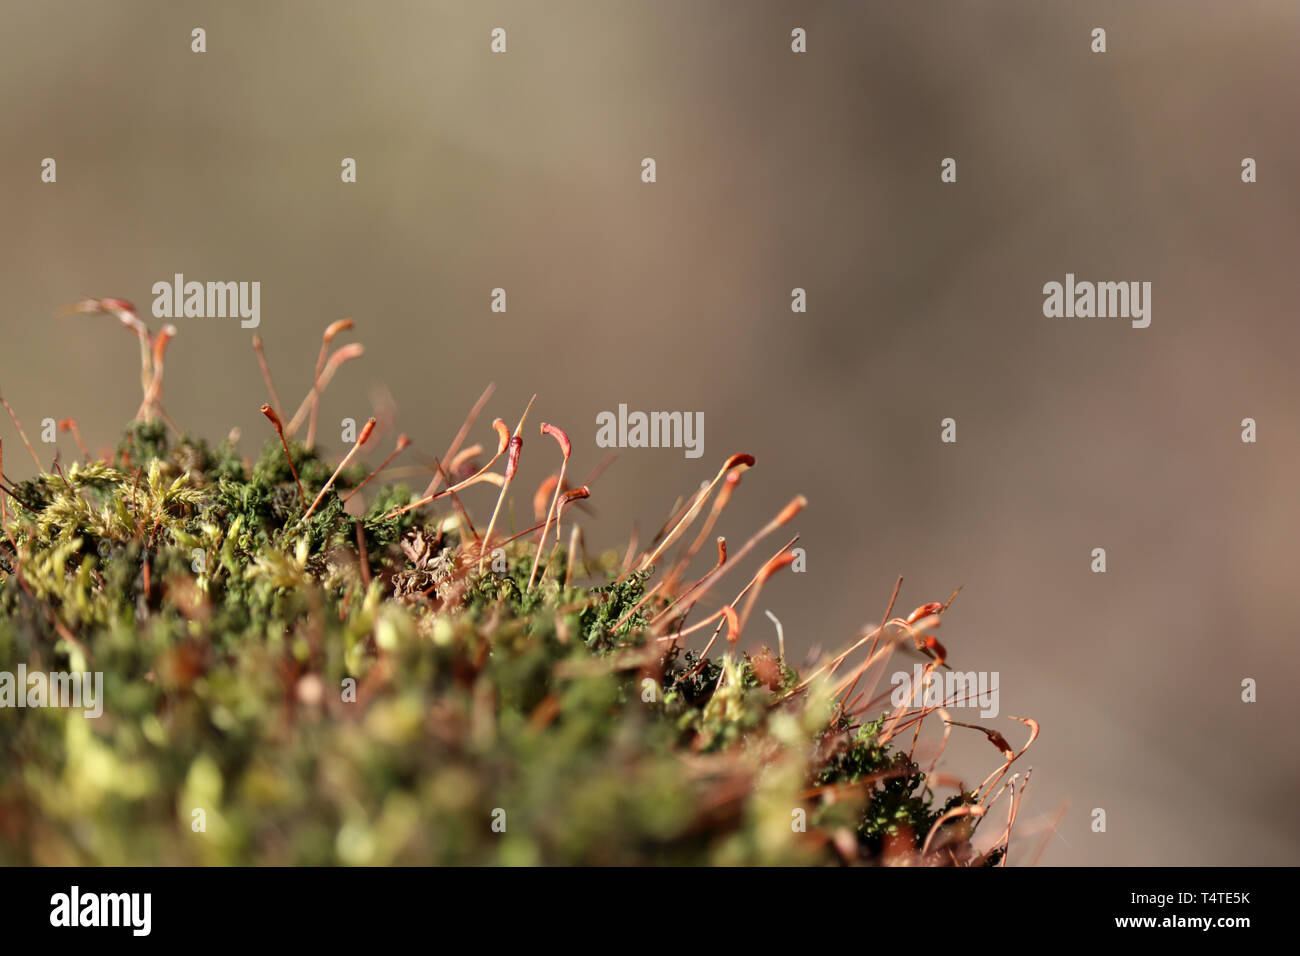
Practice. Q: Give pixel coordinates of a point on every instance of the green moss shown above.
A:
(321, 702)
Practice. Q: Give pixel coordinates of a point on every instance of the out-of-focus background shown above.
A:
(775, 171)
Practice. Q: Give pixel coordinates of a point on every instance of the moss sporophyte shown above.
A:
(304, 664)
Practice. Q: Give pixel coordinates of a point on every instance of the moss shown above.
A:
(355, 690)
(612, 615)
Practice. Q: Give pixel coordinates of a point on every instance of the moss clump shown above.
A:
(352, 688)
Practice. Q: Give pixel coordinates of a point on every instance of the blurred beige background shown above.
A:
(775, 171)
